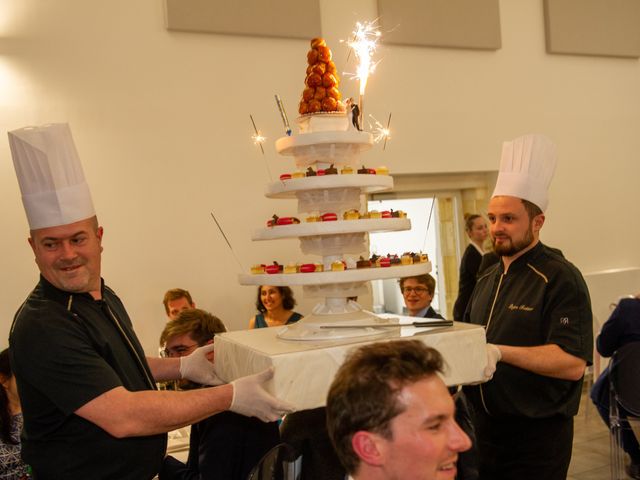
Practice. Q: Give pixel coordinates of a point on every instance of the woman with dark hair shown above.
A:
(275, 305)
(476, 228)
(11, 465)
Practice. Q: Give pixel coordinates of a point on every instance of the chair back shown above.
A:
(276, 464)
(625, 377)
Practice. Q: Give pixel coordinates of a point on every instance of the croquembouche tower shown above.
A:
(328, 182)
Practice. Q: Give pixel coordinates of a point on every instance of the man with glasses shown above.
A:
(225, 445)
(418, 293)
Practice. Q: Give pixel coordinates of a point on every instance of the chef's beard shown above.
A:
(512, 248)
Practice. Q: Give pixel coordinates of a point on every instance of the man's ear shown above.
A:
(368, 447)
(538, 222)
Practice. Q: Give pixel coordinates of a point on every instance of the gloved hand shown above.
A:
(197, 367)
(252, 400)
(493, 357)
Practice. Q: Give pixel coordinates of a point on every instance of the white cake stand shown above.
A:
(330, 240)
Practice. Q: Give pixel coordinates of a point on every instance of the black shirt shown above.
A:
(542, 299)
(469, 266)
(68, 349)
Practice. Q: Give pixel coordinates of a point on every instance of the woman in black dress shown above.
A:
(476, 228)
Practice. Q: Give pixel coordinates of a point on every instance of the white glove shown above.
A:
(494, 355)
(197, 367)
(252, 400)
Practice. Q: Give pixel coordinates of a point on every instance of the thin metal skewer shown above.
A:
(433, 202)
(384, 146)
(227, 240)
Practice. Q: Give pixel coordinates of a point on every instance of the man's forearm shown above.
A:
(130, 414)
(164, 369)
(548, 360)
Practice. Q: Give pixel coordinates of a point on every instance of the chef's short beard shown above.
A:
(513, 248)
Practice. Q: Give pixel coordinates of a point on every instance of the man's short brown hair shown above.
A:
(199, 324)
(364, 392)
(532, 209)
(426, 280)
(175, 294)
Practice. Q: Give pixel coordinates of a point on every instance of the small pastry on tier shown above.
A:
(384, 262)
(398, 214)
(364, 170)
(310, 172)
(364, 216)
(258, 269)
(291, 268)
(285, 176)
(307, 268)
(386, 214)
(363, 263)
(298, 174)
(424, 258)
(319, 267)
(337, 266)
(329, 217)
(346, 170)
(375, 214)
(273, 269)
(395, 260)
(406, 259)
(382, 170)
(351, 215)
(276, 220)
(331, 170)
(313, 218)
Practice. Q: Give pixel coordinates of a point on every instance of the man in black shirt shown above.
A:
(535, 307)
(87, 391)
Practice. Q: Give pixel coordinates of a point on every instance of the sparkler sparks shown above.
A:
(380, 132)
(364, 44)
(258, 138)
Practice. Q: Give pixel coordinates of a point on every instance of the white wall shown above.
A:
(161, 122)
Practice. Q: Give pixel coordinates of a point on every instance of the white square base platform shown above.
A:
(304, 370)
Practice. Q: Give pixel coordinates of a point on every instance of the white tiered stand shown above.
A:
(330, 240)
(318, 343)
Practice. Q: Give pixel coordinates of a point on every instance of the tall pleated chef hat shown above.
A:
(526, 169)
(54, 190)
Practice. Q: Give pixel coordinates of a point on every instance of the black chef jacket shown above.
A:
(542, 299)
(68, 349)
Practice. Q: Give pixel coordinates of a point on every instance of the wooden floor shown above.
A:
(590, 459)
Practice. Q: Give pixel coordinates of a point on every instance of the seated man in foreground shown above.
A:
(225, 445)
(390, 415)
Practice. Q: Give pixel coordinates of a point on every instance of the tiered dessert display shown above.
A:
(328, 185)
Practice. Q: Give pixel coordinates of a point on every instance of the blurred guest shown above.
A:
(176, 300)
(275, 305)
(476, 228)
(390, 416)
(622, 327)
(225, 445)
(11, 465)
(418, 292)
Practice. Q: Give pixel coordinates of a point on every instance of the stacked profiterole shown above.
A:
(328, 182)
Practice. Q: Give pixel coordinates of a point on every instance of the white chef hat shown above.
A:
(54, 190)
(526, 169)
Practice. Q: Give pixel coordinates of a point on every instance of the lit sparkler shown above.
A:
(364, 44)
(380, 132)
(257, 137)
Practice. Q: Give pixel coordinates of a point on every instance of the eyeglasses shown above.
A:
(179, 350)
(416, 290)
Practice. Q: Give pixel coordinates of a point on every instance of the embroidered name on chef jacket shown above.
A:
(522, 308)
